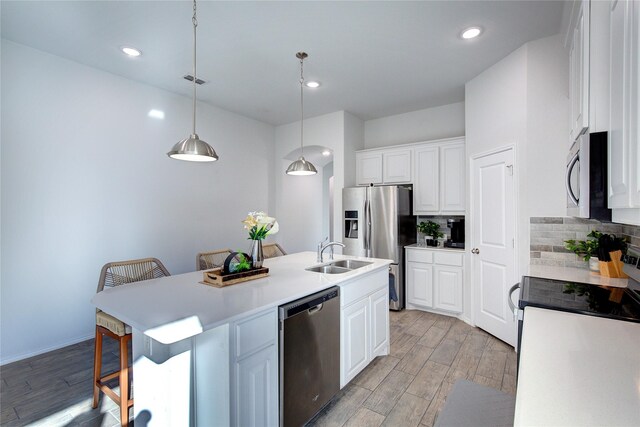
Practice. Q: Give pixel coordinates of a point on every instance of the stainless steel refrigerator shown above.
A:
(379, 223)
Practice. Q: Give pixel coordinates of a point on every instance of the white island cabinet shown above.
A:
(364, 323)
(209, 356)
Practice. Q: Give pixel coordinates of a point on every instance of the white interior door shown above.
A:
(493, 233)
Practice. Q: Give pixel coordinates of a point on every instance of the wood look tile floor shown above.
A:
(55, 388)
(429, 353)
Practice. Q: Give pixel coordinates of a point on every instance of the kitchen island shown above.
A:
(209, 356)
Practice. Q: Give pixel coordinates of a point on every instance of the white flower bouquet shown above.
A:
(260, 225)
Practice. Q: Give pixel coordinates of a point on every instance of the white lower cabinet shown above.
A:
(448, 288)
(420, 276)
(364, 323)
(255, 373)
(435, 279)
(379, 322)
(355, 338)
(257, 389)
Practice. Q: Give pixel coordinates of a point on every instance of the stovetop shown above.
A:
(582, 298)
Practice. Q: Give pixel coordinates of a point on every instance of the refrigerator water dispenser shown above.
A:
(351, 224)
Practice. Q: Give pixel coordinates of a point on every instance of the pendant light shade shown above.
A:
(193, 149)
(301, 166)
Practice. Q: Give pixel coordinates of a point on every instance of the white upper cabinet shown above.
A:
(453, 178)
(624, 134)
(579, 71)
(396, 166)
(385, 166)
(599, 66)
(369, 168)
(426, 194)
(435, 168)
(439, 184)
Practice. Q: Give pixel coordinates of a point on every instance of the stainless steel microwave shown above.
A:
(586, 178)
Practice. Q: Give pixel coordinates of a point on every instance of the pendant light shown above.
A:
(301, 166)
(193, 149)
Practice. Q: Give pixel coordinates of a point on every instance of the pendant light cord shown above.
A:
(194, 19)
(301, 107)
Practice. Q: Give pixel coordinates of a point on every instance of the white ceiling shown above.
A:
(374, 59)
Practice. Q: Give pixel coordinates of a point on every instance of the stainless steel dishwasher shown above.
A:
(309, 355)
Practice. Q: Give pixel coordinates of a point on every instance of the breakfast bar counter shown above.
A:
(205, 356)
(170, 309)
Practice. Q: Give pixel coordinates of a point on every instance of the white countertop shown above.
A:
(173, 308)
(578, 370)
(433, 248)
(573, 274)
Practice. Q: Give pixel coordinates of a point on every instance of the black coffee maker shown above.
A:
(456, 239)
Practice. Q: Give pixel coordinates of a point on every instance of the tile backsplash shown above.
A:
(549, 233)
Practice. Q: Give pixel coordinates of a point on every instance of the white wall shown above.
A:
(547, 126)
(299, 202)
(446, 121)
(354, 129)
(522, 101)
(85, 180)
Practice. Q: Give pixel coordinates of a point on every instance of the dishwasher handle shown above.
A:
(315, 309)
(311, 304)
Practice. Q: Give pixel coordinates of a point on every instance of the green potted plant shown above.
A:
(587, 249)
(432, 229)
(597, 247)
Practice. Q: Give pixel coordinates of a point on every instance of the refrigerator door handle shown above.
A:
(369, 251)
(365, 229)
(368, 223)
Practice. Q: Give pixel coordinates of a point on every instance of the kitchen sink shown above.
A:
(351, 264)
(328, 269)
(339, 267)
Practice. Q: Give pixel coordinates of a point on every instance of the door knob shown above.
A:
(475, 251)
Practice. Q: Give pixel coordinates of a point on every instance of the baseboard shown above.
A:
(23, 356)
(466, 320)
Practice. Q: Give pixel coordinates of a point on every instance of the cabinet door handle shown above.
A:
(475, 251)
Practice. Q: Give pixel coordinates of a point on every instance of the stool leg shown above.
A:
(97, 365)
(124, 381)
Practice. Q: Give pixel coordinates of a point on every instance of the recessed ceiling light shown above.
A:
(130, 51)
(471, 32)
(326, 153)
(312, 84)
(156, 114)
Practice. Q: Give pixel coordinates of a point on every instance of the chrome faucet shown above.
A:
(322, 247)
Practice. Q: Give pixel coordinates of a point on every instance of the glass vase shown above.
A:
(257, 257)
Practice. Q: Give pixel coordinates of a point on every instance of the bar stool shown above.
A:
(272, 250)
(213, 259)
(116, 274)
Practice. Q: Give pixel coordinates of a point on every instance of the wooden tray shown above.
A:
(219, 280)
